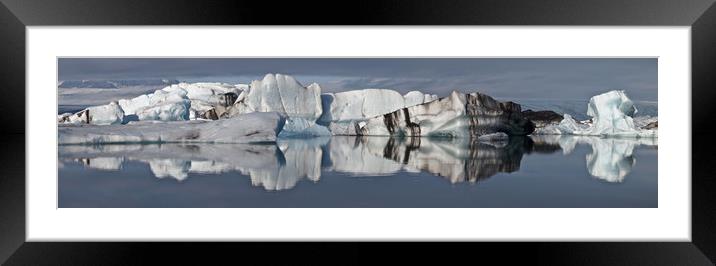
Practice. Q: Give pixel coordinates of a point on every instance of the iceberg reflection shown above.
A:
(264, 164)
(282, 165)
(457, 160)
(611, 159)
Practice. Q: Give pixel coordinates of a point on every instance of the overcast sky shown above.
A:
(507, 78)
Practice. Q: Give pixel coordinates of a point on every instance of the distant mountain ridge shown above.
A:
(114, 84)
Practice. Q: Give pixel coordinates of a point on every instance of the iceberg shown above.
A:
(70, 118)
(177, 102)
(159, 97)
(109, 114)
(282, 94)
(565, 127)
(248, 128)
(458, 115)
(646, 122)
(211, 100)
(357, 105)
(612, 115)
(182, 101)
(301, 127)
(306, 112)
(360, 104)
(172, 111)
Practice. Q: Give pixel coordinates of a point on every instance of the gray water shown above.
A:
(542, 171)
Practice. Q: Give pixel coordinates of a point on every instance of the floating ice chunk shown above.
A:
(70, 118)
(644, 122)
(249, 128)
(109, 114)
(301, 127)
(568, 125)
(565, 127)
(170, 111)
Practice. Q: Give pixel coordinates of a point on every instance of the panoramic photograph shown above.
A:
(357, 132)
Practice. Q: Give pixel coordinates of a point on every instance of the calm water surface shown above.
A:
(542, 171)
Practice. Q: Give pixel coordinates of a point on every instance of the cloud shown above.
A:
(560, 78)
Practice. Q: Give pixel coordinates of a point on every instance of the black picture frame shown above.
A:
(15, 15)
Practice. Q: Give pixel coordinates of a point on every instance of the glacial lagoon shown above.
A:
(548, 171)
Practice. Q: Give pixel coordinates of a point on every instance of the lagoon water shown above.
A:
(373, 172)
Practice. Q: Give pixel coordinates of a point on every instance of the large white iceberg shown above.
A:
(367, 103)
(282, 94)
(458, 115)
(612, 115)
